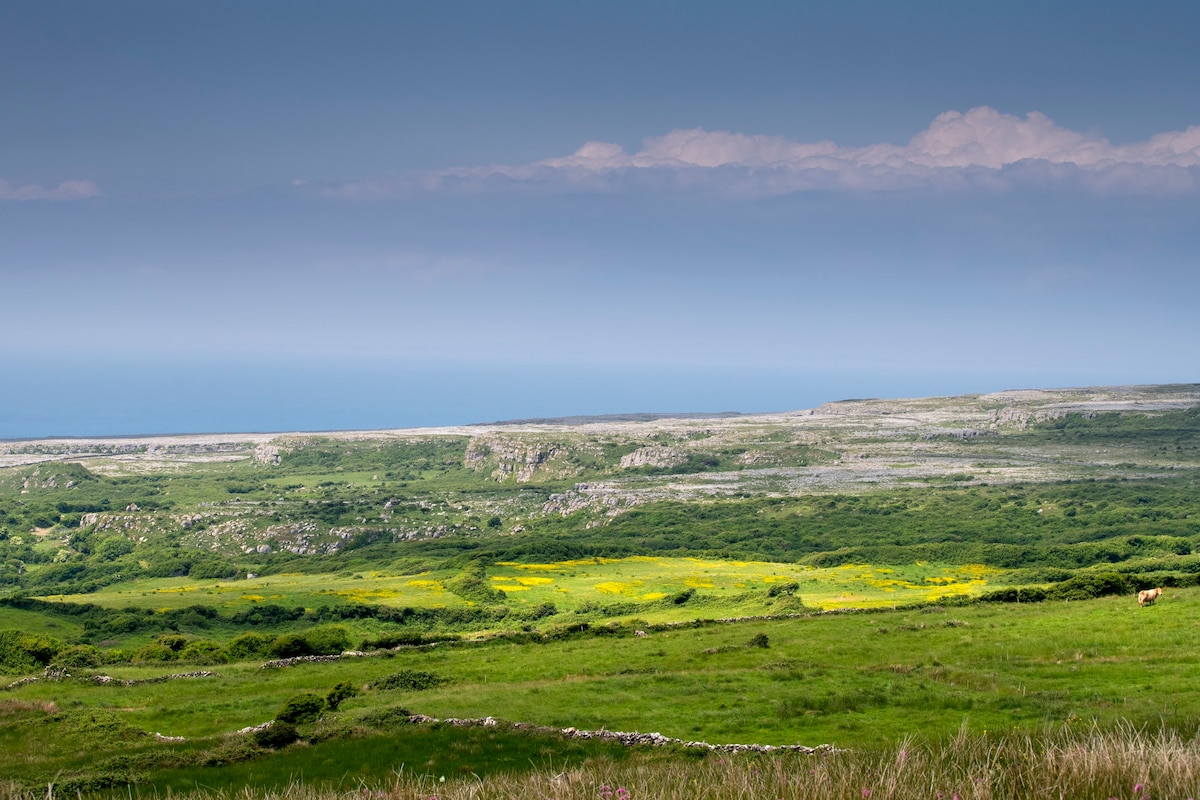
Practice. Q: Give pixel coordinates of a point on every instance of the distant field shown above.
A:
(570, 585)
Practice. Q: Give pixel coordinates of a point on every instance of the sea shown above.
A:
(56, 397)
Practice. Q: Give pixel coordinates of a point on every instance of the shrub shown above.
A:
(540, 611)
(342, 691)
(1087, 586)
(387, 718)
(155, 652)
(410, 679)
(279, 734)
(79, 655)
(203, 652)
(471, 584)
(759, 640)
(783, 589)
(301, 708)
(1015, 594)
(387, 641)
(248, 645)
(174, 641)
(682, 597)
(327, 640)
(23, 652)
(289, 645)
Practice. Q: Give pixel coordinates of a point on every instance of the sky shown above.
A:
(275, 215)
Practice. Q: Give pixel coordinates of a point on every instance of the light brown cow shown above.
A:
(1148, 596)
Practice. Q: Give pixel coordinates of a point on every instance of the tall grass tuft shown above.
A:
(1126, 762)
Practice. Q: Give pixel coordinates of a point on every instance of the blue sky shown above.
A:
(919, 197)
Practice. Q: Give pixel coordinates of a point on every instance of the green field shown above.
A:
(860, 680)
(574, 585)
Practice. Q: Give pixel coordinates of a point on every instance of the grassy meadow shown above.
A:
(863, 680)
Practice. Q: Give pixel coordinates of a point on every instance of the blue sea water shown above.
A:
(102, 397)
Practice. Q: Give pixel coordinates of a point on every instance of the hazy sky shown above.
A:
(1010, 192)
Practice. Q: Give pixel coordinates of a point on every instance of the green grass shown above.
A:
(849, 679)
(436, 751)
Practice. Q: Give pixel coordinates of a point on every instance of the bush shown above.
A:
(289, 645)
(1087, 586)
(174, 641)
(25, 652)
(385, 719)
(1015, 594)
(783, 589)
(301, 708)
(759, 640)
(540, 611)
(248, 645)
(326, 640)
(342, 691)
(203, 652)
(682, 597)
(410, 679)
(471, 584)
(154, 652)
(80, 655)
(280, 734)
(387, 641)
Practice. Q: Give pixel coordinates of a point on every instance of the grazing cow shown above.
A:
(1148, 596)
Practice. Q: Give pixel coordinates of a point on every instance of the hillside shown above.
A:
(237, 500)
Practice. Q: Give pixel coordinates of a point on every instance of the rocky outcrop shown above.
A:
(653, 456)
(510, 459)
(599, 497)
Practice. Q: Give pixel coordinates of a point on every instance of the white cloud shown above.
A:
(67, 190)
(981, 147)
